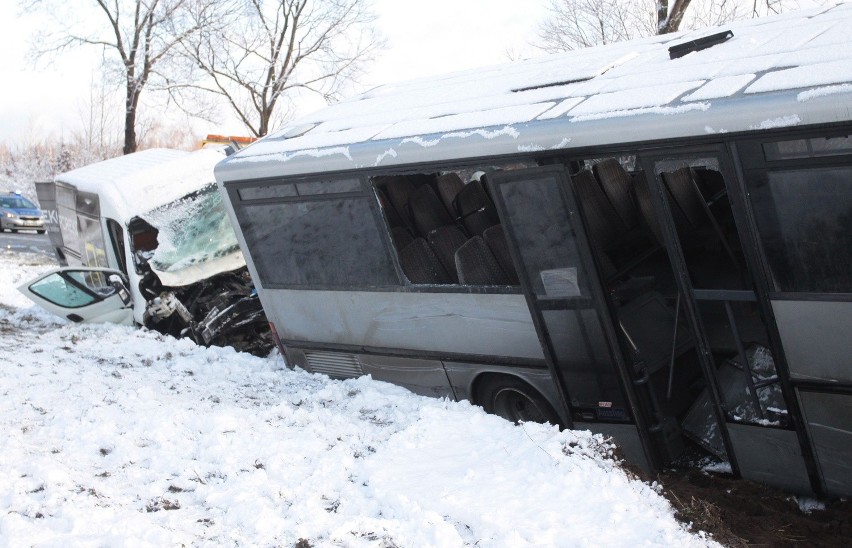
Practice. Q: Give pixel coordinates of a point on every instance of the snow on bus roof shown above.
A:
(137, 183)
(806, 51)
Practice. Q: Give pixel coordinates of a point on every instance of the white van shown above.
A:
(144, 239)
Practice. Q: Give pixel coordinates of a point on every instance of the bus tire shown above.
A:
(514, 400)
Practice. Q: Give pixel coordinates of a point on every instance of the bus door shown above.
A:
(547, 241)
(722, 381)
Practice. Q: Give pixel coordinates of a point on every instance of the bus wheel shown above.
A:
(514, 400)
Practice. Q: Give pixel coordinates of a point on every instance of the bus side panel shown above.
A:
(627, 438)
(771, 456)
(420, 376)
(829, 420)
(457, 323)
(424, 377)
(817, 338)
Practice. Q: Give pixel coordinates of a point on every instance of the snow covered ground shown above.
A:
(115, 436)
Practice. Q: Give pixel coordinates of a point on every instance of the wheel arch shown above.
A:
(484, 380)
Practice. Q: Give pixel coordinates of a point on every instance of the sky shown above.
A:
(423, 38)
(118, 436)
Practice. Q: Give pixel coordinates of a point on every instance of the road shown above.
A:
(26, 241)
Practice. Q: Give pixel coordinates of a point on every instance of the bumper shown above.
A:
(22, 224)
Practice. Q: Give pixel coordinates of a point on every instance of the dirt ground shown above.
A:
(742, 513)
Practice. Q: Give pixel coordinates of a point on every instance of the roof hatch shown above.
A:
(698, 44)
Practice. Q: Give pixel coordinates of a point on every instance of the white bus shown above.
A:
(650, 239)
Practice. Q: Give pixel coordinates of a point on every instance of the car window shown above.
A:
(73, 289)
(16, 202)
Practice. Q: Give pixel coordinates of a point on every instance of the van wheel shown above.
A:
(514, 400)
(40, 231)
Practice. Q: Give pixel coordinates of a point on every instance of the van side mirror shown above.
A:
(118, 284)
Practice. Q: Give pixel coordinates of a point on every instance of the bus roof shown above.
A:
(787, 70)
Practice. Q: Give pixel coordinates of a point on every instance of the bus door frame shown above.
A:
(630, 387)
(746, 232)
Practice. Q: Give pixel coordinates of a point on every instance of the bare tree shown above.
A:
(272, 50)
(139, 39)
(572, 24)
(101, 129)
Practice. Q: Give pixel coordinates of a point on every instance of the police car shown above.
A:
(19, 213)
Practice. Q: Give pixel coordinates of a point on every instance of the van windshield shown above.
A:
(195, 240)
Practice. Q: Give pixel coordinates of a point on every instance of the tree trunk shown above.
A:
(263, 128)
(672, 22)
(130, 103)
(662, 15)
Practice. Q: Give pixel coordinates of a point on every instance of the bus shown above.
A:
(651, 240)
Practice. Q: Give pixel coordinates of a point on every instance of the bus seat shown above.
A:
(696, 222)
(649, 323)
(421, 265)
(646, 209)
(392, 215)
(616, 184)
(711, 184)
(601, 218)
(496, 240)
(619, 248)
(446, 240)
(476, 264)
(426, 210)
(449, 186)
(401, 237)
(398, 190)
(687, 199)
(475, 208)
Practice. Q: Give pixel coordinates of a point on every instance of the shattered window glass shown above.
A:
(59, 290)
(193, 230)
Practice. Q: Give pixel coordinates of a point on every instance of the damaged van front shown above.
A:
(144, 239)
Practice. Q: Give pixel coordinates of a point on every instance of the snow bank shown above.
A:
(120, 436)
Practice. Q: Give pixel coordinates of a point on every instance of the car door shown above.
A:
(91, 295)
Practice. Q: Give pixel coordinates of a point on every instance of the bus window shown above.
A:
(314, 233)
(807, 148)
(445, 228)
(804, 217)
